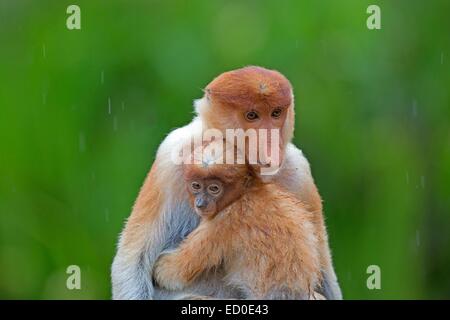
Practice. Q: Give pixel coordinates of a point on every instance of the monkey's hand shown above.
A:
(167, 272)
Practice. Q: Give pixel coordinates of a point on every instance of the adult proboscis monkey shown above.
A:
(246, 98)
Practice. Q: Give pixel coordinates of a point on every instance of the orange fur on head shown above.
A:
(225, 172)
(209, 160)
(249, 87)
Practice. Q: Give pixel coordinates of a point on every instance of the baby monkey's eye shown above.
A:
(251, 116)
(276, 113)
(196, 186)
(214, 189)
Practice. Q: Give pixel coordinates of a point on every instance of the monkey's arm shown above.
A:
(161, 217)
(295, 176)
(140, 243)
(202, 250)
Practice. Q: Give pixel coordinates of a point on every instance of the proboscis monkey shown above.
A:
(246, 98)
(260, 235)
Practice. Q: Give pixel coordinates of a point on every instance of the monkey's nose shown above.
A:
(200, 203)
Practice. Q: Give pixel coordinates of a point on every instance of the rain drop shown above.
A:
(109, 105)
(422, 182)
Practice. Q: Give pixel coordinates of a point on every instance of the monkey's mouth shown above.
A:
(205, 213)
(271, 161)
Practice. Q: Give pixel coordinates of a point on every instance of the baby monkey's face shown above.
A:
(206, 195)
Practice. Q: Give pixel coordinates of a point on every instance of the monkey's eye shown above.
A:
(214, 189)
(276, 113)
(251, 116)
(196, 186)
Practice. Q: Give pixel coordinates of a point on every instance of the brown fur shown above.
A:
(147, 230)
(264, 240)
(146, 205)
(250, 87)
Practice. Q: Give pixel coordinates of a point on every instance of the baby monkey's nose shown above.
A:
(200, 203)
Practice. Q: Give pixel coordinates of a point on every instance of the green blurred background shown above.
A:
(82, 113)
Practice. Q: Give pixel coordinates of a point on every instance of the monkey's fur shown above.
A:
(162, 217)
(263, 238)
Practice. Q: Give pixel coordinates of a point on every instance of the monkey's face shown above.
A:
(256, 99)
(267, 122)
(206, 196)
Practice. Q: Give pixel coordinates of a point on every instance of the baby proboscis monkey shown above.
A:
(261, 237)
